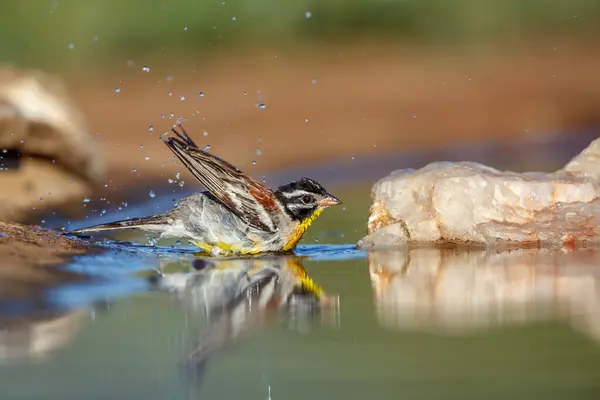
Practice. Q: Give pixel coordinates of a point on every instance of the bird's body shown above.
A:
(236, 215)
(210, 226)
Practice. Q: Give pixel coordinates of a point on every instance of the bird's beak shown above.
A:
(329, 201)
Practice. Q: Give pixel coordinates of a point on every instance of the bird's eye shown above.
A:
(306, 199)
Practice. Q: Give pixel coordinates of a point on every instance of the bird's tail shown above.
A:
(146, 223)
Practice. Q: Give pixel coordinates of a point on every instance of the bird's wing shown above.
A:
(248, 199)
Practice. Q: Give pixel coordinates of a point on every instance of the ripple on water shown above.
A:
(123, 268)
(319, 252)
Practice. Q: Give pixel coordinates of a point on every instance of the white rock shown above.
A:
(471, 203)
(53, 161)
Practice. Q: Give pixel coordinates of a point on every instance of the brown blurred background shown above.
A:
(273, 84)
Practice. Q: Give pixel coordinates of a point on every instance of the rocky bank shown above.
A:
(470, 203)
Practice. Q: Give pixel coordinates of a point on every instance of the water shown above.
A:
(164, 322)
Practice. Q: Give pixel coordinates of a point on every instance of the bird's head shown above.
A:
(305, 199)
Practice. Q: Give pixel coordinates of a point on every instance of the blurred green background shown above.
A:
(36, 32)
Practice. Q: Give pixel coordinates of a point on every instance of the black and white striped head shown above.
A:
(300, 199)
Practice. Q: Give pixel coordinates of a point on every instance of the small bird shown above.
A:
(236, 215)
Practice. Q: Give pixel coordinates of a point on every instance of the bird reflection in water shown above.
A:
(452, 290)
(237, 296)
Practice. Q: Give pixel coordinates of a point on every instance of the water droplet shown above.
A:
(4, 151)
(314, 81)
(71, 45)
(170, 94)
(308, 14)
(147, 158)
(95, 38)
(182, 98)
(207, 147)
(205, 133)
(151, 129)
(152, 194)
(146, 68)
(185, 28)
(171, 115)
(233, 18)
(414, 117)
(117, 90)
(125, 204)
(258, 152)
(41, 199)
(169, 78)
(181, 183)
(141, 146)
(262, 106)
(201, 94)
(253, 162)
(177, 175)
(130, 63)
(316, 240)
(170, 180)
(245, 94)
(86, 200)
(305, 119)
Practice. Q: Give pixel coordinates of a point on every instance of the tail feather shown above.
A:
(146, 223)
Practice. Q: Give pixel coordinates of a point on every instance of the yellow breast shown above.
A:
(297, 233)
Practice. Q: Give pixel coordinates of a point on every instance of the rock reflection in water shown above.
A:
(37, 338)
(447, 289)
(236, 296)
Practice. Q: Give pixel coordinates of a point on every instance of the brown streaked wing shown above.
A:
(248, 199)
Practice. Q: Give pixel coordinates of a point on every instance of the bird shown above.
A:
(235, 214)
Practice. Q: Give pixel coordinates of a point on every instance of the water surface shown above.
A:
(419, 323)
